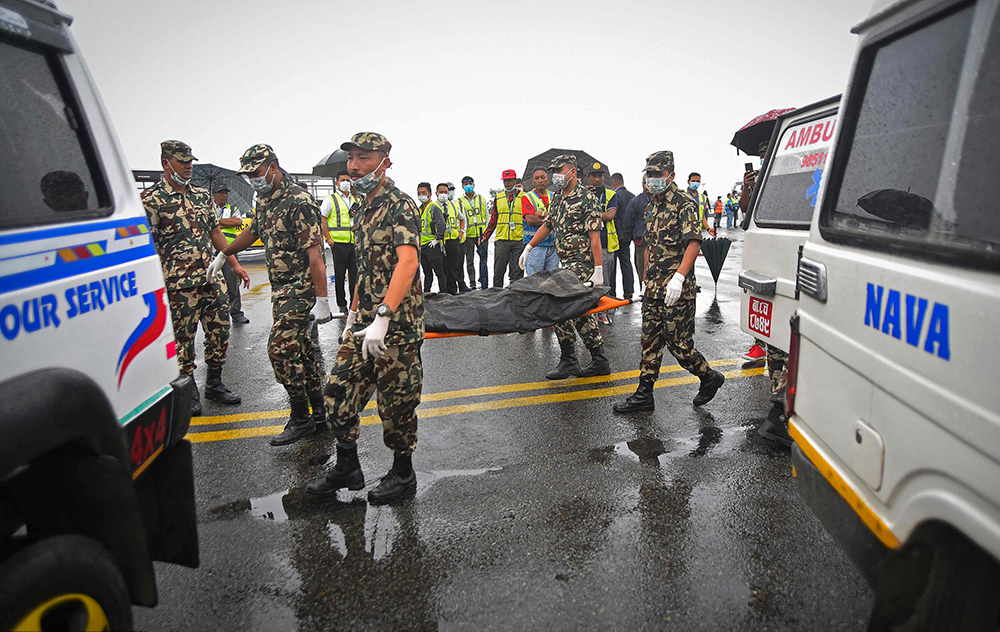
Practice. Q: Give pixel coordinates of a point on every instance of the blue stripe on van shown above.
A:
(60, 269)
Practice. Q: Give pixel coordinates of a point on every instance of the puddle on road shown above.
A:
(710, 441)
(295, 503)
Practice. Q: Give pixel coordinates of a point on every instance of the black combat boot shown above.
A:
(775, 427)
(195, 399)
(599, 364)
(568, 365)
(401, 480)
(710, 385)
(346, 473)
(319, 411)
(300, 424)
(216, 390)
(641, 399)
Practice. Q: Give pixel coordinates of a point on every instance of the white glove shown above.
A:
(374, 337)
(523, 259)
(216, 265)
(434, 243)
(321, 310)
(598, 278)
(352, 317)
(674, 289)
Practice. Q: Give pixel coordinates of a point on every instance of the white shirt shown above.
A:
(226, 212)
(327, 206)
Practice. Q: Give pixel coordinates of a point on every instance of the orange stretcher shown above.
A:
(606, 303)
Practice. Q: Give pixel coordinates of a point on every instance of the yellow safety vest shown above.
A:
(339, 220)
(232, 231)
(426, 216)
(475, 215)
(612, 230)
(454, 229)
(510, 221)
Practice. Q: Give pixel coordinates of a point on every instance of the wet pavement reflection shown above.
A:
(558, 515)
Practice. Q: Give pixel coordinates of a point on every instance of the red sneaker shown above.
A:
(755, 354)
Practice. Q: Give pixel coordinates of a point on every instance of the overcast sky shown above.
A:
(461, 87)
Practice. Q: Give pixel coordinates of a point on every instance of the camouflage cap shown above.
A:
(177, 149)
(371, 141)
(255, 157)
(762, 148)
(562, 160)
(660, 161)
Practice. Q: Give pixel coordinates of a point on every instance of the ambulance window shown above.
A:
(788, 194)
(45, 174)
(976, 210)
(896, 148)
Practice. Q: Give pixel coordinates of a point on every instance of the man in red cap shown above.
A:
(508, 221)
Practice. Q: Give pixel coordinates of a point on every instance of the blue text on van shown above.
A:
(885, 312)
(43, 311)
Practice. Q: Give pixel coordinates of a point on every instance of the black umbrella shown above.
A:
(749, 137)
(715, 250)
(331, 165)
(899, 207)
(584, 161)
(209, 176)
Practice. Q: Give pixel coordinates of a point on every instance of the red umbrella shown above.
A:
(749, 137)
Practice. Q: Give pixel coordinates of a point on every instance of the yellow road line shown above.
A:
(497, 404)
(466, 392)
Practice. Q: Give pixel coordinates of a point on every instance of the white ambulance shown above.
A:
(894, 394)
(778, 217)
(95, 475)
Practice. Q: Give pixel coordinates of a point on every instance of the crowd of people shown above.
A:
(379, 240)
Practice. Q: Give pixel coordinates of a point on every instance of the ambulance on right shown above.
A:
(894, 374)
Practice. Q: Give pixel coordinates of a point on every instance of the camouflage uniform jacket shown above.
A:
(390, 219)
(288, 224)
(571, 218)
(671, 222)
(181, 225)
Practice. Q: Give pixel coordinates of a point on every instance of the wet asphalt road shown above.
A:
(537, 507)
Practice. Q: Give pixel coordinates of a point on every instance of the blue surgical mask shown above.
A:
(694, 185)
(451, 194)
(469, 188)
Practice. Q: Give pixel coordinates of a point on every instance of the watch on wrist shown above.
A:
(383, 310)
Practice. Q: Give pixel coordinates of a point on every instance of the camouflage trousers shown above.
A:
(209, 305)
(777, 366)
(291, 349)
(586, 325)
(672, 327)
(396, 378)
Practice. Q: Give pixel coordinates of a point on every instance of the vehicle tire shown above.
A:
(66, 582)
(941, 582)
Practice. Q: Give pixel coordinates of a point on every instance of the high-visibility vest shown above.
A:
(540, 207)
(702, 200)
(510, 221)
(339, 219)
(612, 229)
(475, 215)
(718, 207)
(232, 231)
(450, 213)
(426, 232)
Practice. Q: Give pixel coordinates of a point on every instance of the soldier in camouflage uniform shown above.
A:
(575, 219)
(288, 224)
(186, 233)
(673, 239)
(380, 346)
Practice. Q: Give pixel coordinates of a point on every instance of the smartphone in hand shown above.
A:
(748, 166)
